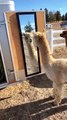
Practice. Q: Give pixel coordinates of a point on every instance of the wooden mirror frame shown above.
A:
(22, 46)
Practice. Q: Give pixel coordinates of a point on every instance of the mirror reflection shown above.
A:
(31, 55)
(27, 25)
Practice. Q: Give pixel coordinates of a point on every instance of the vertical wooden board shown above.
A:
(40, 21)
(14, 41)
(40, 18)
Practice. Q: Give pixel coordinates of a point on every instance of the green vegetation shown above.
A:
(28, 27)
(54, 16)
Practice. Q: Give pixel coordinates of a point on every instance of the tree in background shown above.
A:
(47, 14)
(52, 16)
(66, 16)
(58, 16)
(28, 27)
(62, 17)
(40, 8)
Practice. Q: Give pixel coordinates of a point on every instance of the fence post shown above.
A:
(51, 39)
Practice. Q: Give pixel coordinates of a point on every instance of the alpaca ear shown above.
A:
(39, 37)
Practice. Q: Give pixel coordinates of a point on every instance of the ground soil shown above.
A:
(31, 100)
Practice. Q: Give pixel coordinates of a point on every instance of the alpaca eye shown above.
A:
(26, 37)
(30, 40)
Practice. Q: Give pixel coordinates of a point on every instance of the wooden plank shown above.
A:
(40, 21)
(57, 45)
(57, 31)
(40, 25)
(58, 38)
(15, 45)
(15, 41)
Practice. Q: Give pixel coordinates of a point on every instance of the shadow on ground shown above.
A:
(40, 81)
(37, 110)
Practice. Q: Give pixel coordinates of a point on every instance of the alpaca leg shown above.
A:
(58, 93)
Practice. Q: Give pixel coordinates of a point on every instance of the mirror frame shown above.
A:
(4, 74)
(22, 46)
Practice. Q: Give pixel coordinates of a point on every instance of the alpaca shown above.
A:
(64, 35)
(31, 53)
(55, 69)
(30, 46)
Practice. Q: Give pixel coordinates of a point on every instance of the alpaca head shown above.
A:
(35, 38)
(38, 38)
(28, 37)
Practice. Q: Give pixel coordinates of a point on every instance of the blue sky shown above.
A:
(53, 5)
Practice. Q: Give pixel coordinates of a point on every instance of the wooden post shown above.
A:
(51, 39)
(66, 41)
(15, 45)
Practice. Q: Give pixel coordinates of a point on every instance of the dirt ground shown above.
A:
(31, 100)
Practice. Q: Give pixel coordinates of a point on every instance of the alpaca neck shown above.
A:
(45, 51)
(32, 52)
(46, 57)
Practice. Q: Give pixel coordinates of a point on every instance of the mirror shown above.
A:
(2, 73)
(27, 23)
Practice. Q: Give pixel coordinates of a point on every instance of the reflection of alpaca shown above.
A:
(55, 69)
(30, 46)
(32, 59)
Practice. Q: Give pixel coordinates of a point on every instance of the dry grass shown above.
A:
(31, 99)
(56, 25)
